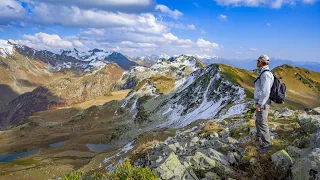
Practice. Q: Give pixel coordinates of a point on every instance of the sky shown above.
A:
(237, 29)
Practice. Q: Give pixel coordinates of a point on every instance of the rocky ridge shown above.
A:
(211, 149)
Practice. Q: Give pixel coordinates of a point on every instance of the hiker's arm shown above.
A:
(266, 84)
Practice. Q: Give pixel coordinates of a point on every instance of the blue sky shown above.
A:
(286, 29)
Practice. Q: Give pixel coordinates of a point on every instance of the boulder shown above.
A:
(307, 167)
(310, 123)
(231, 158)
(211, 176)
(317, 110)
(253, 161)
(173, 147)
(225, 133)
(194, 141)
(282, 158)
(316, 140)
(284, 113)
(218, 156)
(201, 162)
(302, 142)
(232, 140)
(294, 152)
(171, 168)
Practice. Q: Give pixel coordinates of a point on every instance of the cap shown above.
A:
(263, 58)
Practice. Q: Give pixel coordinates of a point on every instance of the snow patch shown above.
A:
(6, 49)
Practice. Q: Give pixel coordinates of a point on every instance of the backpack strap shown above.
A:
(260, 75)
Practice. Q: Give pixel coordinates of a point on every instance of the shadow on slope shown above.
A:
(7, 94)
(25, 104)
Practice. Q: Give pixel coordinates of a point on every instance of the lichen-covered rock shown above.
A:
(171, 168)
(310, 123)
(302, 142)
(232, 140)
(307, 167)
(216, 155)
(316, 139)
(317, 110)
(284, 113)
(231, 158)
(194, 141)
(282, 158)
(201, 162)
(211, 176)
(294, 151)
(225, 133)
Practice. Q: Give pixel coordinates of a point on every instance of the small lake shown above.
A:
(58, 144)
(11, 157)
(98, 147)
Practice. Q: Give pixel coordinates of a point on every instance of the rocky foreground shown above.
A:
(219, 149)
(226, 149)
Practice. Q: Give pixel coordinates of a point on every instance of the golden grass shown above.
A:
(303, 85)
(98, 101)
(210, 128)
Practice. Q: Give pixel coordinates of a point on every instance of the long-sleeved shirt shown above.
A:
(263, 87)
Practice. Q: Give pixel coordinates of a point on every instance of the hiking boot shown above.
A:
(263, 150)
(257, 141)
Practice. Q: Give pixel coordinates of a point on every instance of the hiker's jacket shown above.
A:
(263, 87)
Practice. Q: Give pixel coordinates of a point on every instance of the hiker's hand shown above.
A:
(258, 108)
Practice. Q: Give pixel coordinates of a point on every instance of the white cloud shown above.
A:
(139, 45)
(51, 42)
(172, 13)
(109, 5)
(11, 10)
(76, 17)
(256, 3)
(203, 31)
(196, 4)
(253, 49)
(309, 1)
(93, 31)
(191, 26)
(77, 43)
(170, 37)
(179, 25)
(223, 17)
(206, 44)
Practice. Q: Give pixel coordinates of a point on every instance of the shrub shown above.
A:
(126, 172)
(76, 175)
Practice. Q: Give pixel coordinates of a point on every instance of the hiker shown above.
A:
(262, 102)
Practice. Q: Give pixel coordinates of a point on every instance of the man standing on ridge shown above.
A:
(263, 85)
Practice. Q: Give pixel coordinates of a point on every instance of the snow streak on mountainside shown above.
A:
(208, 95)
(203, 94)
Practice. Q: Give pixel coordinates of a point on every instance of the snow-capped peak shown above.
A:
(91, 55)
(6, 48)
(165, 56)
